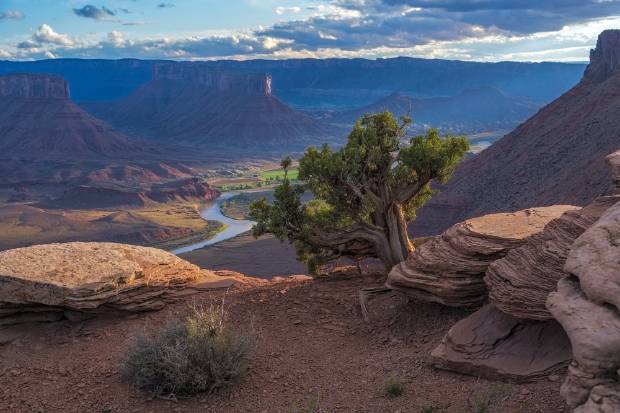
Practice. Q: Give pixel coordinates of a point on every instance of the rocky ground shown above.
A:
(313, 349)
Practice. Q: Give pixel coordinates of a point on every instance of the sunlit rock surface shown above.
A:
(449, 269)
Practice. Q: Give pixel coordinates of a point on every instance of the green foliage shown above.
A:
(482, 400)
(393, 387)
(363, 188)
(312, 406)
(199, 354)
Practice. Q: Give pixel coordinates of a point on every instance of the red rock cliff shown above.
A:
(34, 86)
(197, 73)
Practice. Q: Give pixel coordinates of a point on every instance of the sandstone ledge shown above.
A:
(449, 269)
(47, 282)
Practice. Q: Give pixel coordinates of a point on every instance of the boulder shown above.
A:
(449, 269)
(520, 282)
(587, 304)
(42, 282)
(495, 345)
(614, 162)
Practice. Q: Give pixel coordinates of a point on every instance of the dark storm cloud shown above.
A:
(92, 12)
(515, 16)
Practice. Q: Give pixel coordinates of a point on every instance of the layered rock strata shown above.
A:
(587, 304)
(520, 282)
(33, 86)
(449, 269)
(495, 345)
(48, 282)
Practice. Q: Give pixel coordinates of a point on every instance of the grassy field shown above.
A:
(278, 174)
(265, 179)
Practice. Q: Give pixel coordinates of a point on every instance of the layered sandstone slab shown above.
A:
(587, 304)
(520, 282)
(449, 269)
(43, 282)
(494, 345)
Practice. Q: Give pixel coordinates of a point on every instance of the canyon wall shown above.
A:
(33, 86)
(223, 81)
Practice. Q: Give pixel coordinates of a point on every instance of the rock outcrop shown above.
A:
(450, 268)
(49, 282)
(494, 345)
(519, 283)
(224, 81)
(38, 121)
(605, 58)
(198, 106)
(34, 86)
(555, 157)
(587, 304)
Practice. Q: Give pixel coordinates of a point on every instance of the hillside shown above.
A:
(191, 105)
(39, 121)
(556, 157)
(471, 111)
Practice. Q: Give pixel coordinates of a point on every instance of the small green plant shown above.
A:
(312, 406)
(198, 354)
(393, 387)
(481, 401)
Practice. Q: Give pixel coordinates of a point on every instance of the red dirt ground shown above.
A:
(312, 345)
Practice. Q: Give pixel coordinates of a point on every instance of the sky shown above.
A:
(480, 30)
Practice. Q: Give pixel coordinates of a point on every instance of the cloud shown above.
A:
(512, 16)
(280, 10)
(45, 35)
(11, 15)
(165, 5)
(470, 30)
(93, 12)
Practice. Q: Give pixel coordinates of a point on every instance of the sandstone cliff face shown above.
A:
(44, 282)
(199, 75)
(556, 157)
(449, 269)
(31, 86)
(605, 59)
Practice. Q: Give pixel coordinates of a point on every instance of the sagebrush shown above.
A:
(198, 354)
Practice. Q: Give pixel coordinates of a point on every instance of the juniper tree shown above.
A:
(365, 194)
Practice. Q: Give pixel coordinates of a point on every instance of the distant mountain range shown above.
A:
(326, 83)
(556, 157)
(192, 105)
(472, 111)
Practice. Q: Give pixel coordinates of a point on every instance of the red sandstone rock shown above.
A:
(449, 269)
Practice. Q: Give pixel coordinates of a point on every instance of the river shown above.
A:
(212, 212)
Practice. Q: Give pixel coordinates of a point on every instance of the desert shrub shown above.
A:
(198, 354)
(393, 387)
(482, 400)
